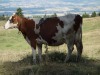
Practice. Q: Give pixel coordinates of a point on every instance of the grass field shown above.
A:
(16, 59)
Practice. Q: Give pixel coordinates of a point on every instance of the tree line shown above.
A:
(94, 14)
(19, 12)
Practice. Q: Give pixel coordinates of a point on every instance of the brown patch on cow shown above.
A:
(26, 26)
(78, 21)
(61, 24)
(48, 29)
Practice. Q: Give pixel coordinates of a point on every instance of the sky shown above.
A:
(33, 7)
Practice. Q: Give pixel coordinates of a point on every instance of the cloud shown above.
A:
(7, 11)
(50, 6)
(90, 8)
(4, 4)
(57, 9)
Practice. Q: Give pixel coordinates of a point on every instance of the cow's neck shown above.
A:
(19, 22)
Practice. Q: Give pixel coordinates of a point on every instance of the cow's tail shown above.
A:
(81, 27)
(78, 27)
(78, 35)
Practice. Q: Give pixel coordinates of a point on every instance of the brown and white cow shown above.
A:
(51, 31)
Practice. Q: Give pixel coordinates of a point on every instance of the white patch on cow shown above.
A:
(40, 40)
(34, 53)
(36, 30)
(67, 19)
(61, 35)
(9, 25)
(36, 20)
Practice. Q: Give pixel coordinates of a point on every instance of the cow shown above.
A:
(52, 31)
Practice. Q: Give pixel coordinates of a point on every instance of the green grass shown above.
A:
(16, 58)
(12, 40)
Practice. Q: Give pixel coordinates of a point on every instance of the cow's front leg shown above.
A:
(34, 54)
(32, 43)
(40, 52)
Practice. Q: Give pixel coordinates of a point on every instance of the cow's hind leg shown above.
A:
(79, 47)
(40, 52)
(70, 45)
(78, 43)
(46, 52)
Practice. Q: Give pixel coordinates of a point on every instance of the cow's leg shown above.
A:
(70, 49)
(46, 49)
(79, 47)
(40, 52)
(70, 45)
(33, 46)
(34, 54)
(78, 43)
(32, 43)
(46, 53)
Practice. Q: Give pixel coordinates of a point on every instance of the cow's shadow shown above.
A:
(53, 66)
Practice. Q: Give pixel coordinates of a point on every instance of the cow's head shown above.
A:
(12, 22)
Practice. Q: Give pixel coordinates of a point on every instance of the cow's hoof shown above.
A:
(78, 59)
(66, 60)
(39, 62)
